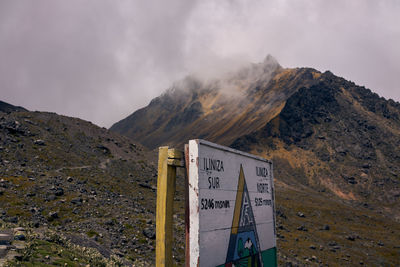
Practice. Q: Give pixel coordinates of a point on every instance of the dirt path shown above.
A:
(74, 168)
(102, 165)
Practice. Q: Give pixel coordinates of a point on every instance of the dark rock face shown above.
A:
(7, 108)
(306, 107)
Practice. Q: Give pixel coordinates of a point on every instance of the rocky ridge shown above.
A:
(340, 137)
(84, 194)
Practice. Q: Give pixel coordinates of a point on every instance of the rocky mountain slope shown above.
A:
(82, 194)
(333, 134)
(339, 137)
(333, 144)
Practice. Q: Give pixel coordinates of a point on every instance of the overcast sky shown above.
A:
(101, 60)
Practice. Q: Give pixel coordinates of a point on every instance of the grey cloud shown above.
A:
(100, 60)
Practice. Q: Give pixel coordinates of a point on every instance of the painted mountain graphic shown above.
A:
(244, 248)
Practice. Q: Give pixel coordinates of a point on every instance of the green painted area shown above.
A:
(269, 257)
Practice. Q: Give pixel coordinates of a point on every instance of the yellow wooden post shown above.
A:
(168, 160)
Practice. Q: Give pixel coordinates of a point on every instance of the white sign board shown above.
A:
(231, 207)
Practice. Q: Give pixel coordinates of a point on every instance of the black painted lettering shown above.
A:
(259, 201)
(213, 165)
(261, 171)
(213, 183)
(210, 204)
(262, 188)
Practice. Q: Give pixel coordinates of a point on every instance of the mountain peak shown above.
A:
(270, 60)
(239, 103)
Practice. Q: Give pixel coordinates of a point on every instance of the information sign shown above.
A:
(231, 207)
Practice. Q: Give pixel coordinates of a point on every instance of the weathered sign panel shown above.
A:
(231, 207)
